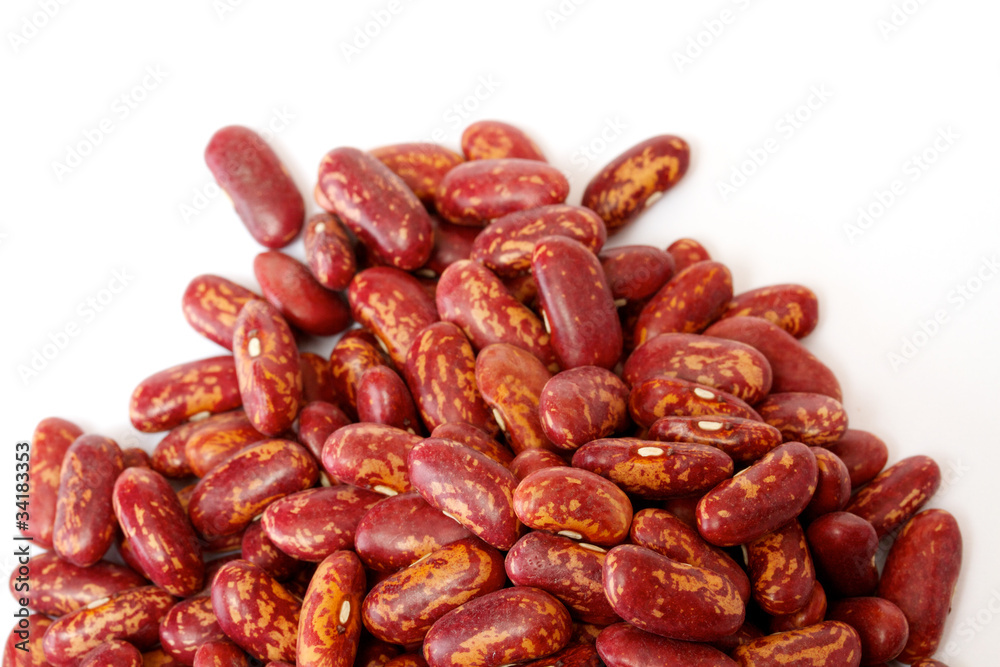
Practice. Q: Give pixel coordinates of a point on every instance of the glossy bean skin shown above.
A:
(401, 608)
(636, 272)
(452, 243)
(392, 305)
(793, 367)
(312, 524)
(833, 486)
(475, 490)
(879, 623)
(645, 587)
(217, 438)
(687, 252)
(811, 613)
(655, 470)
(794, 308)
(329, 251)
(303, 302)
(114, 653)
(919, 577)
(667, 535)
(188, 625)
(242, 596)
(475, 300)
(582, 404)
(133, 615)
(843, 546)
(257, 548)
(158, 531)
(492, 140)
(476, 438)
(530, 460)
(378, 207)
(330, 620)
(264, 195)
(220, 653)
(383, 398)
(267, 368)
(576, 303)
(49, 442)
(864, 454)
(897, 493)
(211, 304)
(476, 192)
(420, 165)
(632, 181)
(225, 501)
(350, 358)
(511, 381)
(781, 569)
(623, 645)
(690, 301)
(135, 457)
(169, 458)
(505, 246)
(826, 643)
(57, 587)
(744, 440)
(803, 417)
(173, 396)
(507, 626)
(85, 521)
(762, 498)
(370, 456)
(660, 397)
(32, 633)
(317, 420)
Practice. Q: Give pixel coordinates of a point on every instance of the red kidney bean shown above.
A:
(262, 192)
(383, 398)
(793, 308)
(350, 358)
(476, 192)
(370, 456)
(781, 569)
(744, 440)
(378, 208)
(826, 643)
(896, 494)
(687, 252)
(661, 396)
(23, 647)
(637, 178)
(175, 395)
(582, 404)
(220, 653)
(114, 653)
(803, 417)
(843, 546)
(292, 289)
(833, 486)
(688, 303)
(420, 165)
(492, 140)
(57, 587)
(393, 306)
(814, 611)
(312, 524)
(452, 243)
(211, 304)
(531, 460)
(255, 611)
(134, 457)
(330, 619)
(511, 382)
(317, 421)
(879, 623)
(863, 453)
(475, 438)
(636, 272)
(217, 438)
(257, 548)
(169, 458)
(622, 645)
(317, 378)
(329, 251)
(187, 625)
(49, 442)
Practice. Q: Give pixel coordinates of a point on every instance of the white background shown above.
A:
(586, 81)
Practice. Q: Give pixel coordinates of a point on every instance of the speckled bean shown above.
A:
(329, 251)
(660, 397)
(492, 139)
(312, 524)
(582, 404)
(896, 494)
(689, 302)
(255, 611)
(330, 620)
(188, 625)
(473, 193)
(420, 165)
(511, 382)
(794, 308)
(370, 456)
(744, 440)
(49, 442)
(211, 304)
(55, 587)
(392, 305)
(173, 396)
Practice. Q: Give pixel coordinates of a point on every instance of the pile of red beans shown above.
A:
(533, 450)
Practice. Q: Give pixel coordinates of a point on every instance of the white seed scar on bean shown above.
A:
(381, 344)
(621, 302)
(385, 490)
(345, 611)
(425, 273)
(710, 426)
(320, 228)
(97, 603)
(593, 547)
(324, 479)
(500, 422)
(204, 414)
(649, 451)
(253, 347)
(653, 198)
(704, 393)
(571, 534)
(545, 320)
(451, 516)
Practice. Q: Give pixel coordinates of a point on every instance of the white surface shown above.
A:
(609, 69)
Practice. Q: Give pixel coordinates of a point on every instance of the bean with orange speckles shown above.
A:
(897, 493)
(473, 193)
(665, 534)
(383, 398)
(811, 613)
(476, 438)
(864, 454)
(350, 358)
(843, 546)
(329, 251)
(317, 378)
(255, 611)
(575, 503)
(688, 303)
(744, 440)
(211, 304)
(493, 139)
(267, 368)
(646, 588)
(531, 460)
(637, 178)
(622, 645)
(378, 207)
(401, 529)
(567, 569)
(402, 607)
(833, 486)
(312, 524)
(317, 421)
(469, 486)
(761, 498)
(880, 624)
(472, 297)
(687, 252)
(826, 643)
(220, 653)
(511, 382)
(506, 244)
(133, 615)
(303, 302)
(392, 305)
(85, 523)
(656, 470)
(188, 625)
(582, 404)
(781, 569)
(49, 442)
(58, 587)
(330, 621)
(227, 499)
(508, 626)
(258, 548)
(814, 419)
(114, 653)
(441, 373)
(31, 632)
(576, 303)
(217, 438)
(370, 456)
(794, 308)
(168, 456)
(420, 165)
(173, 396)
(661, 397)
(158, 531)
